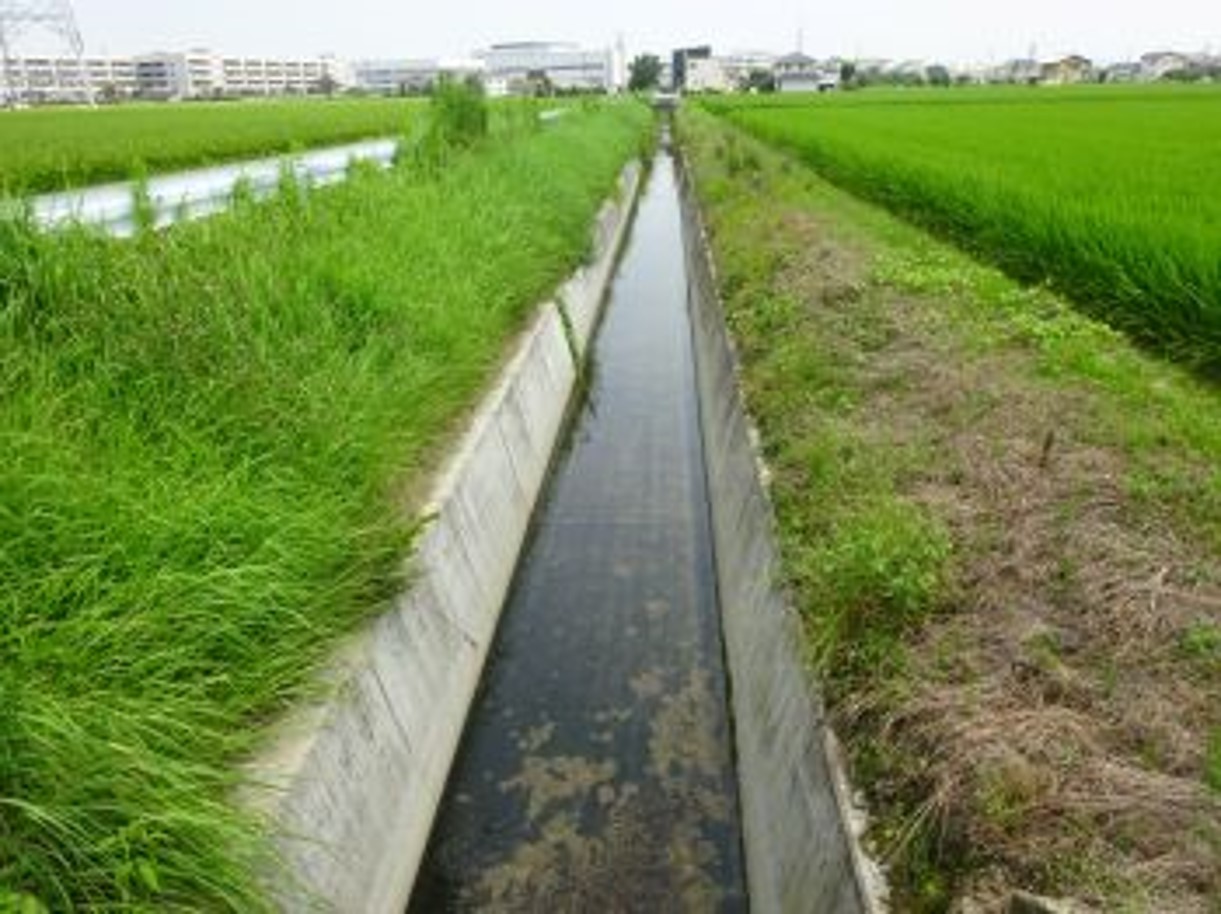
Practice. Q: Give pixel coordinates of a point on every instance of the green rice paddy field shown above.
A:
(207, 434)
(1112, 195)
(53, 148)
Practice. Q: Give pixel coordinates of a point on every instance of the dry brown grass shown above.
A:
(1058, 724)
(1048, 725)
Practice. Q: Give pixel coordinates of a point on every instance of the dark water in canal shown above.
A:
(596, 773)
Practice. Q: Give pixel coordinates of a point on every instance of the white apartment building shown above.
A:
(112, 77)
(565, 65)
(270, 76)
(167, 76)
(193, 74)
(40, 80)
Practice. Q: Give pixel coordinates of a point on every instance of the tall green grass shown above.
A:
(54, 148)
(1114, 197)
(207, 434)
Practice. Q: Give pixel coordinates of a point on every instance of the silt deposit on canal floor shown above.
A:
(596, 772)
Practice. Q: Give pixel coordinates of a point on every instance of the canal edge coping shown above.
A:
(800, 829)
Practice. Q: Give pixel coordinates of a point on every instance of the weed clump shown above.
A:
(457, 119)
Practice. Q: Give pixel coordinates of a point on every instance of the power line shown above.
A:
(21, 20)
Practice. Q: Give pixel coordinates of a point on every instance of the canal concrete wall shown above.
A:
(582, 295)
(801, 851)
(352, 782)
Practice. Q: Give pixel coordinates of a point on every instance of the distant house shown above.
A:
(1068, 71)
(1159, 64)
(799, 73)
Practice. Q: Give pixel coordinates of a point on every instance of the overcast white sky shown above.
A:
(953, 30)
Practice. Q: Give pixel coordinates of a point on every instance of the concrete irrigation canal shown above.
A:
(591, 696)
(597, 770)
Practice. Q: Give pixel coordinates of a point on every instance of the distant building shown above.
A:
(247, 76)
(170, 76)
(708, 74)
(393, 77)
(1159, 64)
(799, 73)
(679, 60)
(112, 78)
(163, 76)
(564, 65)
(739, 65)
(1068, 71)
(45, 80)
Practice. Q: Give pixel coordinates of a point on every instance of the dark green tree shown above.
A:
(759, 80)
(938, 75)
(644, 73)
(326, 85)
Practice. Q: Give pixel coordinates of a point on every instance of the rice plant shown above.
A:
(52, 148)
(1113, 197)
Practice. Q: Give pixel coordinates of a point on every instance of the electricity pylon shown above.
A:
(54, 19)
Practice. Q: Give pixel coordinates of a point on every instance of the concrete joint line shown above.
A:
(570, 335)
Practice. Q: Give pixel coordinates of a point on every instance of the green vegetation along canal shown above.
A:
(597, 771)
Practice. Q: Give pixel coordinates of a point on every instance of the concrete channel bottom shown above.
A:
(596, 771)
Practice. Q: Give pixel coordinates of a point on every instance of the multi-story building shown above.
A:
(679, 61)
(168, 76)
(389, 77)
(112, 77)
(269, 76)
(563, 65)
(201, 74)
(194, 74)
(43, 80)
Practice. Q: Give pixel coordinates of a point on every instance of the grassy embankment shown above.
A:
(1002, 525)
(207, 436)
(53, 148)
(1112, 195)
